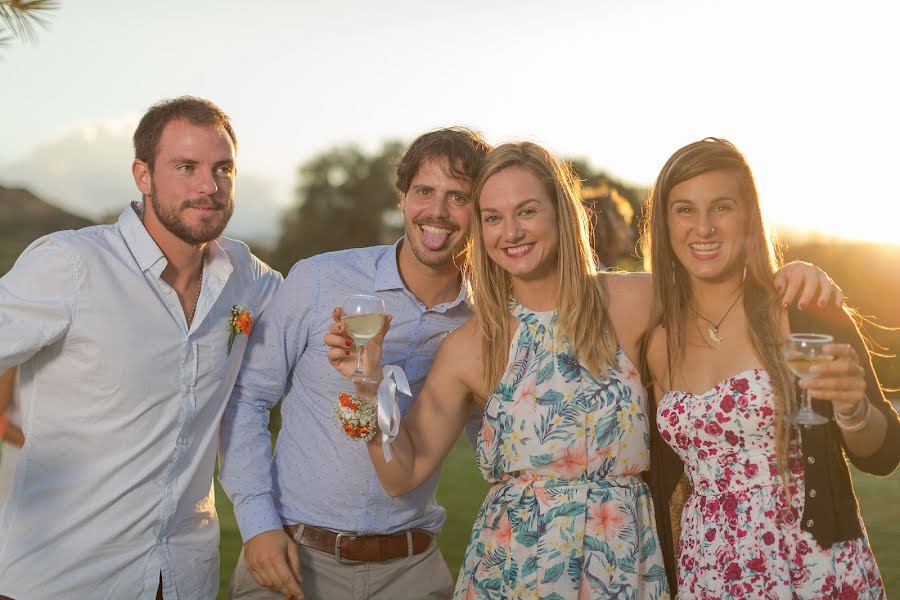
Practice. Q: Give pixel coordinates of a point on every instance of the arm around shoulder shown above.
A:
(630, 301)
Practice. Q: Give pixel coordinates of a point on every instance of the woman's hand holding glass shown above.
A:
(343, 352)
(840, 381)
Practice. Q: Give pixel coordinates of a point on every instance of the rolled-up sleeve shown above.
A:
(38, 299)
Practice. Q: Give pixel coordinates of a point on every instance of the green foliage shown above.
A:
(19, 19)
(343, 195)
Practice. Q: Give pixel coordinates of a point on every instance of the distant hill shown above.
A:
(24, 217)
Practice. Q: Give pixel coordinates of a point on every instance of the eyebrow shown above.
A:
(422, 186)
(180, 160)
(687, 201)
(517, 206)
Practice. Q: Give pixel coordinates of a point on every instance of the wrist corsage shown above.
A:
(356, 416)
(241, 321)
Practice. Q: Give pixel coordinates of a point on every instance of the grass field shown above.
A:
(462, 489)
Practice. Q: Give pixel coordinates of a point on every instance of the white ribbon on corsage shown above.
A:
(388, 407)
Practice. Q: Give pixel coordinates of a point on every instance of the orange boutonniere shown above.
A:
(241, 322)
(356, 417)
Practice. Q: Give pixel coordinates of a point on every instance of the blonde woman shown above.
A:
(772, 511)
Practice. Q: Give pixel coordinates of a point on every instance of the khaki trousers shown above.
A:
(422, 576)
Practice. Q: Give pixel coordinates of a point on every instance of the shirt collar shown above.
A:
(387, 271)
(137, 238)
(149, 256)
(387, 277)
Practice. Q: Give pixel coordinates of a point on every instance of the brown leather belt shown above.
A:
(349, 546)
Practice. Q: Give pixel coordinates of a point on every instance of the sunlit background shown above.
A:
(805, 88)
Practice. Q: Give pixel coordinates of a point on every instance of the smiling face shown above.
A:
(519, 224)
(707, 218)
(436, 212)
(190, 192)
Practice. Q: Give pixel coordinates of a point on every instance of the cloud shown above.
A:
(87, 170)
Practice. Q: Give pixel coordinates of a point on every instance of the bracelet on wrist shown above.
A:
(853, 427)
(855, 413)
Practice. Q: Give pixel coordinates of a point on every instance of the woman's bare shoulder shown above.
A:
(626, 288)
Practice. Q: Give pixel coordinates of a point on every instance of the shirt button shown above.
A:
(810, 523)
(811, 460)
(812, 493)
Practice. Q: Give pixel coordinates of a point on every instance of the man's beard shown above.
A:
(170, 218)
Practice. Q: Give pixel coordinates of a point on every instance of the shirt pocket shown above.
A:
(212, 351)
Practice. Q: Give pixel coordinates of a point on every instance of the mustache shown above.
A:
(434, 222)
(208, 204)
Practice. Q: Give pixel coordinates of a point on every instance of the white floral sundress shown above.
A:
(738, 539)
(568, 515)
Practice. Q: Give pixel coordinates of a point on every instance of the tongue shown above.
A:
(434, 240)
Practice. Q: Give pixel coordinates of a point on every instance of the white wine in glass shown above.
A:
(802, 351)
(363, 317)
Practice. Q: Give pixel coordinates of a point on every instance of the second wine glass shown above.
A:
(363, 318)
(802, 351)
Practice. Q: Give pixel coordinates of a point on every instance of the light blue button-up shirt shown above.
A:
(121, 404)
(319, 477)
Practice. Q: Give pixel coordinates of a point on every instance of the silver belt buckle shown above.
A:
(337, 548)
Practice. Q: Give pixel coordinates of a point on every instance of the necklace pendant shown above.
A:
(714, 335)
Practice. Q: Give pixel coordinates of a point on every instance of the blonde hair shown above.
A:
(671, 285)
(581, 300)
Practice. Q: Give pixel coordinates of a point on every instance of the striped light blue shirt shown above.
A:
(317, 476)
(121, 406)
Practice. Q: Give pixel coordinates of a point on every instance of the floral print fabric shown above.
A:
(568, 516)
(739, 539)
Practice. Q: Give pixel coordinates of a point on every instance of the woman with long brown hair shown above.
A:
(772, 511)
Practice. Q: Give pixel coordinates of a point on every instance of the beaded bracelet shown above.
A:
(856, 427)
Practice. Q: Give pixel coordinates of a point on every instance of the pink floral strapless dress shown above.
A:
(738, 539)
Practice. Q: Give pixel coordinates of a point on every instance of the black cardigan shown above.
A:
(830, 508)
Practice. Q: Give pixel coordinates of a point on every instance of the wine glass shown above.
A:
(363, 317)
(801, 352)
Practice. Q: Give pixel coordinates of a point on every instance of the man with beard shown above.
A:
(318, 503)
(129, 337)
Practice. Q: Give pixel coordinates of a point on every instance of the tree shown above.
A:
(19, 19)
(342, 199)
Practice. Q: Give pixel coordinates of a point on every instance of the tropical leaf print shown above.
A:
(568, 515)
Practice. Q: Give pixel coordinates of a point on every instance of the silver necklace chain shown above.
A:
(190, 318)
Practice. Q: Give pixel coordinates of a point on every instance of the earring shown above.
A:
(744, 278)
(674, 283)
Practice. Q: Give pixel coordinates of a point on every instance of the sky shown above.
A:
(806, 89)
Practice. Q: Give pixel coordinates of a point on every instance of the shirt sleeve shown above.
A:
(884, 461)
(38, 299)
(245, 452)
